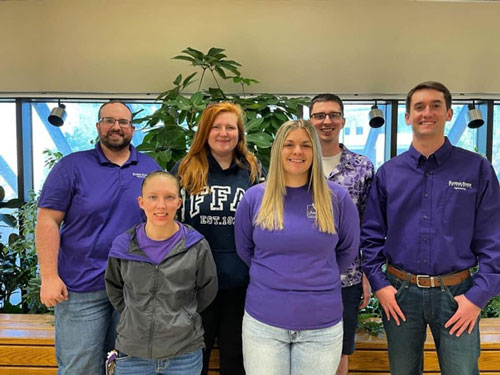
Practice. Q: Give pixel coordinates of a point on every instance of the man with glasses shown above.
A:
(88, 199)
(355, 173)
(433, 213)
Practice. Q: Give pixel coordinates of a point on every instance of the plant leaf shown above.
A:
(178, 80)
(254, 124)
(262, 140)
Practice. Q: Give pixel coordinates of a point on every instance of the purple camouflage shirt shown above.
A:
(433, 216)
(355, 173)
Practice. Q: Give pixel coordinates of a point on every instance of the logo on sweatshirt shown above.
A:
(460, 185)
(311, 211)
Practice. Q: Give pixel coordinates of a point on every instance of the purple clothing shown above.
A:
(294, 272)
(434, 216)
(355, 173)
(99, 200)
(157, 251)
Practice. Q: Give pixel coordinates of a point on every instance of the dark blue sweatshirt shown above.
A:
(212, 214)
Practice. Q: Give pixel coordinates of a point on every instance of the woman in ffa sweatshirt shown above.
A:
(160, 276)
(297, 232)
(214, 176)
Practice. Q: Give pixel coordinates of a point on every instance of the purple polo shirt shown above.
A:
(435, 216)
(99, 200)
(295, 272)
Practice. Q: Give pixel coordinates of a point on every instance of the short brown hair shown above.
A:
(432, 85)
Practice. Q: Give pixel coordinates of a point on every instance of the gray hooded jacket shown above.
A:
(159, 305)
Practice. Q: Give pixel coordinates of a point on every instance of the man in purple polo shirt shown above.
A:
(88, 199)
(355, 173)
(433, 213)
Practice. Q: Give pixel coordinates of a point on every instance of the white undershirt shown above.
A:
(330, 163)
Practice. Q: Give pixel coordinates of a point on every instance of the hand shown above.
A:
(367, 292)
(465, 317)
(52, 291)
(387, 298)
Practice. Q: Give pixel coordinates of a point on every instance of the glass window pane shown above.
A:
(8, 149)
(359, 137)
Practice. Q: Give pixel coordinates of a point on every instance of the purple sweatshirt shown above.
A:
(295, 272)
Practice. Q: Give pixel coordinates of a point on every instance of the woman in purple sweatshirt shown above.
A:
(297, 232)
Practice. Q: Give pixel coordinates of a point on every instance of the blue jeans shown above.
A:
(85, 332)
(269, 350)
(186, 364)
(431, 307)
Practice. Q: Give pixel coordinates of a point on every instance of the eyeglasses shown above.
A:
(322, 116)
(110, 121)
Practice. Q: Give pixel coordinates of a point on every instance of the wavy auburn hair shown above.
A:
(193, 169)
(270, 215)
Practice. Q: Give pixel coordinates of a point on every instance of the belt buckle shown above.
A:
(424, 286)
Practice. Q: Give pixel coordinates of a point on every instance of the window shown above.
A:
(364, 139)
(8, 149)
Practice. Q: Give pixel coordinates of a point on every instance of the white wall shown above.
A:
(295, 46)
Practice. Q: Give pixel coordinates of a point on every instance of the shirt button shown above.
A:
(427, 174)
(426, 217)
(426, 195)
(424, 239)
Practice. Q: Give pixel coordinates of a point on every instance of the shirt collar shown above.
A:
(439, 156)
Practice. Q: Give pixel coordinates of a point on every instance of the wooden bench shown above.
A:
(371, 358)
(27, 348)
(27, 345)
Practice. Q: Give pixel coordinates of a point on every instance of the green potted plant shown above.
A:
(170, 130)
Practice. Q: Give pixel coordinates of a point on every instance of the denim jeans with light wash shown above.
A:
(431, 307)
(85, 332)
(185, 364)
(269, 350)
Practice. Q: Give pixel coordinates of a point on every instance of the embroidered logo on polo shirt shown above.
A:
(460, 185)
(311, 211)
(139, 175)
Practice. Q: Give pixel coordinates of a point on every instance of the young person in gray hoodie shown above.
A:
(160, 275)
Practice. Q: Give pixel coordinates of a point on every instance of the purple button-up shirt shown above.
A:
(355, 173)
(435, 216)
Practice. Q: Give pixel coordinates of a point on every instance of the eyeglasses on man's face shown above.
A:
(320, 116)
(110, 121)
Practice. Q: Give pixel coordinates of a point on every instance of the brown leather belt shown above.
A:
(426, 281)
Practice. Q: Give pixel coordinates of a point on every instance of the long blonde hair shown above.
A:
(270, 215)
(193, 169)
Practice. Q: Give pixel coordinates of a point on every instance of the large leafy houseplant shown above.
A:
(18, 261)
(170, 130)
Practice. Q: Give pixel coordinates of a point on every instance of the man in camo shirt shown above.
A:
(355, 173)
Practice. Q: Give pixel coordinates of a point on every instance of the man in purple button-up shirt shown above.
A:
(435, 211)
(88, 199)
